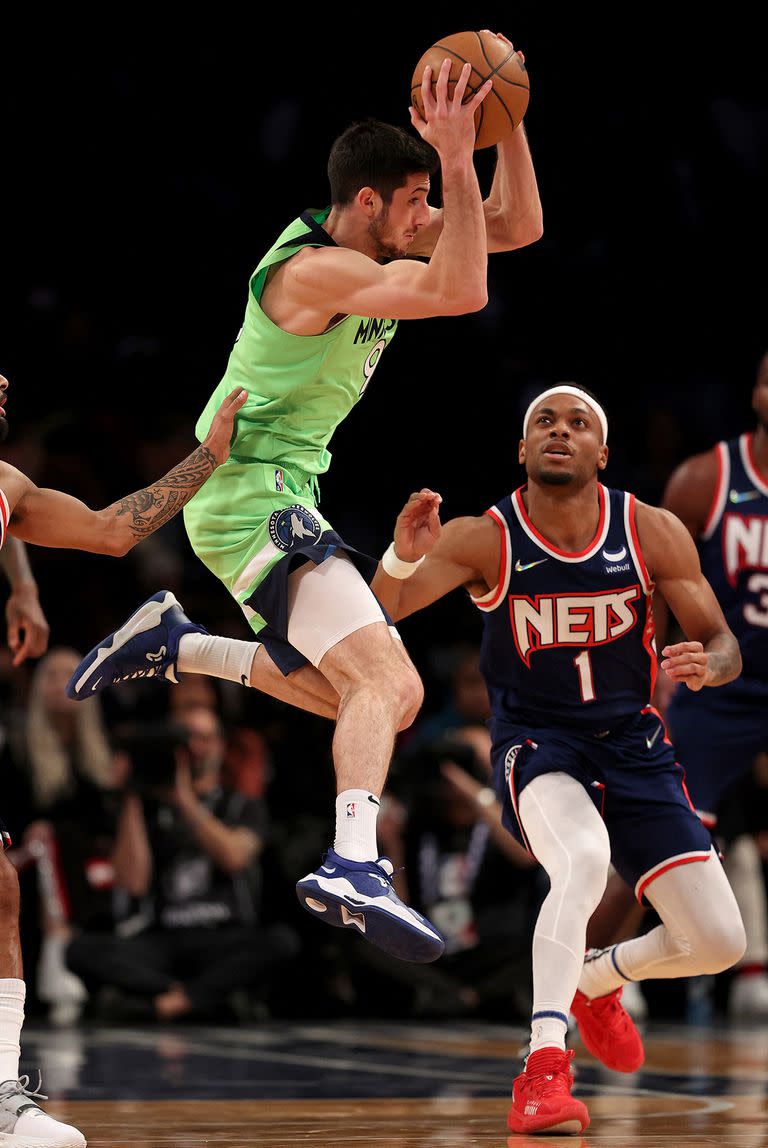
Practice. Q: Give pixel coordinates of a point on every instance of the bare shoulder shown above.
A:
(691, 488)
(13, 484)
(664, 538)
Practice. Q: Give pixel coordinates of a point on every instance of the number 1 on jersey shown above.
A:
(586, 681)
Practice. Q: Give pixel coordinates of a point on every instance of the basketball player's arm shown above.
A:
(342, 281)
(457, 554)
(51, 518)
(512, 211)
(710, 654)
(454, 282)
(28, 629)
(688, 494)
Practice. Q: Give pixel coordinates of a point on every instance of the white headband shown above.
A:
(566, 389)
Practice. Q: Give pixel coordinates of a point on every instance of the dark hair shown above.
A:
(373, 154)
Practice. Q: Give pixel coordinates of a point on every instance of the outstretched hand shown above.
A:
(222, 428)
(418, 525)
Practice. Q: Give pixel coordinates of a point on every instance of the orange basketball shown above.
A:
(491, 59)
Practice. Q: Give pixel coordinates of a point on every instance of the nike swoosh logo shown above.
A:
(743, 495)
(95, 685)
(520, 566)
(325, 869)
(373, 800)
(615, 555)
(649, 741)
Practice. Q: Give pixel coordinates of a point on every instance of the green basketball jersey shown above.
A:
(300, 387)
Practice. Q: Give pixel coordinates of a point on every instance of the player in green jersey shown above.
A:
(322, 306)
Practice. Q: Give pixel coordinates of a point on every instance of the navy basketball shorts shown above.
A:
(270, 598)
(717, 735)
(631, 775)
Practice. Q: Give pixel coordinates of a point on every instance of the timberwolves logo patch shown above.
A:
(293, 526)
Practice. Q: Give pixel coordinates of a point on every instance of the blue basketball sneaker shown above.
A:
(146, 646)
(359, 895)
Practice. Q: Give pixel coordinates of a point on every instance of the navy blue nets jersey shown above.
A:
(568, 638)
(734, 552)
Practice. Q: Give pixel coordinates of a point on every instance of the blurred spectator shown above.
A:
(62, 753)
(189, 846)
(467, 703)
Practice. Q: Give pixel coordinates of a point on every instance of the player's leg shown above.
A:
(335, 622)
(701, 931)
(717, 739)
(569, 840)
(567, 836)
(22, 1121)
(159, 641)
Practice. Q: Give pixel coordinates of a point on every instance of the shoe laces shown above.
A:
(21, 1087)
(551, 1083)
(611, 1011)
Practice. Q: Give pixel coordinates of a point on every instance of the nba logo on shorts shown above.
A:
(278, 480)
(350, 809)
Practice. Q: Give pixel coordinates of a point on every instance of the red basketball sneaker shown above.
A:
(608, 1031)
(541, 1096)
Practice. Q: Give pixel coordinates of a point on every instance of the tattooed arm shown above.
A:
(52, 518)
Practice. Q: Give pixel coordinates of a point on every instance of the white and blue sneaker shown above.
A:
(146, 646)
(359, 895)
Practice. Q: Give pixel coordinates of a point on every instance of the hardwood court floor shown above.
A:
(378, 1085)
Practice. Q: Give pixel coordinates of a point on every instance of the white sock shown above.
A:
(12, 995)
(602, 974)
(356, 813)
(227, 658)
(548, 1031)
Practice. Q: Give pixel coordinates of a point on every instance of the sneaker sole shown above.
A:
(145, 618)
(568, 1126)
(394, 935)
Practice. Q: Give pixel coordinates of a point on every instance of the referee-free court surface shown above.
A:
(379, 1085)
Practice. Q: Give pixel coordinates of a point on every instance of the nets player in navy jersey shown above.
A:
(563, 571)
(722, 498)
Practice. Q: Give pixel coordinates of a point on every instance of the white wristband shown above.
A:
(395, 566)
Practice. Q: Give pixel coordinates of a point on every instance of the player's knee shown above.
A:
(585, 872)
(723, 946)
(410, 695)
(9, 891)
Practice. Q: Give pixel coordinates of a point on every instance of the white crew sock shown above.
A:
(356, 813)
(548, 1028)
(12, 995)
(227, 658)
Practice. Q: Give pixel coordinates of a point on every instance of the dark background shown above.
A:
(145, 175)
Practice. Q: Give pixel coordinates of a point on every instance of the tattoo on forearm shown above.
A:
(152, 507)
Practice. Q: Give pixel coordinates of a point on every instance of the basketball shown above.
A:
(491, 58)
